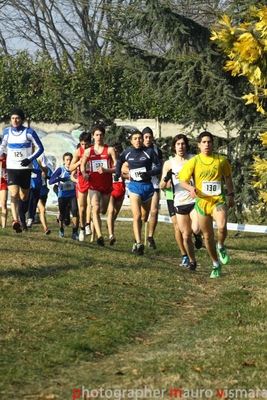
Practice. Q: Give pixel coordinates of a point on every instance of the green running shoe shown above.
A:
(215, 273)
(223, 256)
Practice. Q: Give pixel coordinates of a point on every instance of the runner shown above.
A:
(17, 143)
(168, 190)
(82, 186)
(29, 206)
(184, 205)
(43, 198)
(116, 197)
(154, 210)
(208, 170)
(100, 160)
(3, 190)
(66, 195)
(140, 161)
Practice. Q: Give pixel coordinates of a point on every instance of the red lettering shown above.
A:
(76, 394)
(220, 393)
(176, 392)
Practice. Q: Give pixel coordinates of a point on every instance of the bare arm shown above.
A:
(191, 189)
(84, 159)
(73, 177)
(230, 189)
(75, 162)
(165, 184)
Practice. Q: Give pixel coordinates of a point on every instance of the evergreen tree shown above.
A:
(245, 46)
(176, 56)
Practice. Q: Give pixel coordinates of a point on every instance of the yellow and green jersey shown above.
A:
(207, 172)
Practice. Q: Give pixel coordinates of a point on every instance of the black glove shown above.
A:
(168, 176)
(116, 178)
(25, 162)
(144, 175)
(63, 179)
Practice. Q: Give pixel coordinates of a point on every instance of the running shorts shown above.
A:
(143, 189)
(185, 209)
(19, 177)
(207, 205)
(82, 185)
(118, 191)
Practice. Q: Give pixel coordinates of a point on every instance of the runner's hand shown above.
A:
(144, 175)
(168, 176)
(25, 162)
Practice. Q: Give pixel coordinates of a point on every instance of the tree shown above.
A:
(58, 27)
(245, 46)
(177, 58)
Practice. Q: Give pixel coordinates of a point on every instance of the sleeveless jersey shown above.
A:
(3, 180)
(169, 191)
(99, 181)
(68, 188)
(181, 196)
(82, 185)
(208, 172)
(18, 145)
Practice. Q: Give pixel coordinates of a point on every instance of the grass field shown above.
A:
(77, 318)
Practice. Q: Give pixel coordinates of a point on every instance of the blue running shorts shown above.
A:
(143, 189)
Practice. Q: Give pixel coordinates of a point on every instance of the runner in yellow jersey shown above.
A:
(210, 171)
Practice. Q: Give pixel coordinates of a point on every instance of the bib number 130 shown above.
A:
(211, 188)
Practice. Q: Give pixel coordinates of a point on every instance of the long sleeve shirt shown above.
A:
(140, 160)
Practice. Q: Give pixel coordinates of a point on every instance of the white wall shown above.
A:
(162, 129)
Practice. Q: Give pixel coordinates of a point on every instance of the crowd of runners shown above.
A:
(91, 182)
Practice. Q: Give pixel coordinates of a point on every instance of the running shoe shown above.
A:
(198, 242)
(151, 243)
(82, 235)
(140, 249)
(75, 236)
(100, 241)
(192, 266)
(185, 261)
(36, 219)
(215, 273)
(112, 240)
(134, 249)
(61, 233)
(88, 230)
(29, 222)
(223, 256)
(47, 231)
(16, 226)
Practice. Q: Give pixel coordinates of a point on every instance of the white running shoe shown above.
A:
(81, 235)
(88, 230)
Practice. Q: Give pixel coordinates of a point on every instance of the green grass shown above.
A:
(75, 314)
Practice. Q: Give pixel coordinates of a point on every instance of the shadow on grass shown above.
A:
(40, 272)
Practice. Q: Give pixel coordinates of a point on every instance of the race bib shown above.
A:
(17, 155)
(69, 185)
(99, 163)
(135, 173)
(211, 188)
